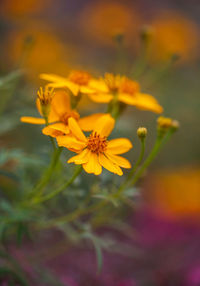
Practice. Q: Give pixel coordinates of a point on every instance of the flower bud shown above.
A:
(164, 123)
(142, 132)
(175, 125)
(45, 97)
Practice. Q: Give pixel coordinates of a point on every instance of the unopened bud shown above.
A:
(45, 97)
(164, 122)
(142, 132)
(175, 125)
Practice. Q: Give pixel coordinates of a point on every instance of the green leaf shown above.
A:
(98, 249)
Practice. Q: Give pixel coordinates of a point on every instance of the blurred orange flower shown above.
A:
(37, 49)
(95, 151)
(174, 34)
(17, 8)
(175, 193)
(101, 20)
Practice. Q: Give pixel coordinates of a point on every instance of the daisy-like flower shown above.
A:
(77, 82)
(125, 90)
(59, 114)
(95, 151)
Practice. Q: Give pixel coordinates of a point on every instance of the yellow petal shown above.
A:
(98, 85)
(60, 84)
(61, 103)
(81, 158)
(86, 89)
(52, 77)
(119, 146)
(101, 97)
(76, 130)
(74, 88)
(32, 120)
(71, 143)
(109, 165)
(104, 125)
(142, 101)
(88, 123)
(118, 160)
(60, 127)
(38, 105)
(51, 132)
(92, 166)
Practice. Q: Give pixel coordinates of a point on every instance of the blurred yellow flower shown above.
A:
(121, 88)
(175, 193)
(95, 152)
(101, 20)
(174, 34)
(59, 114)
(77, 82)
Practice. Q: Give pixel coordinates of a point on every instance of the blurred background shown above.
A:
(155, 42)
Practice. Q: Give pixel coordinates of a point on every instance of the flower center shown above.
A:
(129, 86)
(58, 133)
(96, 144)
(79, 77)
(65, 117)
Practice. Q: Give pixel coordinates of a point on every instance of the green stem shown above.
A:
(59, 190)
(132, 172)
(160, 142)
(47, 175)
(51, 139)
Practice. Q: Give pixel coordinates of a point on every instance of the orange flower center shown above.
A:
(96, 143)
(57, 133)
(79, 77)
(129, 86)
(65, 117)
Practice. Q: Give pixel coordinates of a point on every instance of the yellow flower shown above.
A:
(77, 81)
(59, 114)
(125, 90)
(95, 151)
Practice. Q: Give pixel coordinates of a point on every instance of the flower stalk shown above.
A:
(59, 190)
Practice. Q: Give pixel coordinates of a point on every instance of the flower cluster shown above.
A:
(64, 123)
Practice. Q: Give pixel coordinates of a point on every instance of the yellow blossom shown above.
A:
(77, 81)
(125, 90)
(59, 114)
(95, 151)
